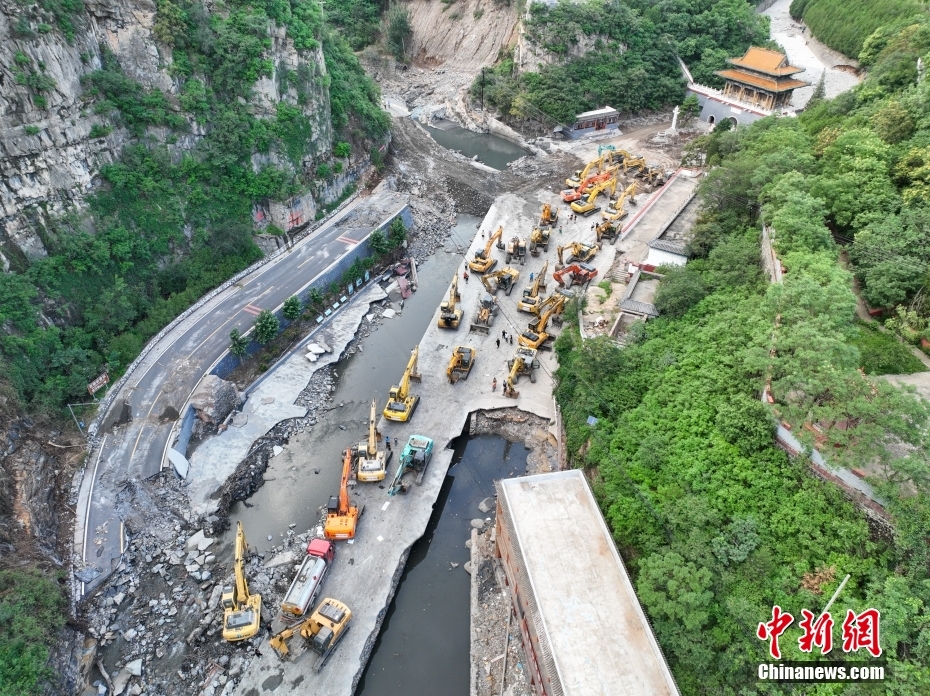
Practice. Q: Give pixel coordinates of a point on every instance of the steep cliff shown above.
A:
(142, 146)
(53, 142)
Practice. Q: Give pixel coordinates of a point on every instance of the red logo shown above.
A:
(771, 630)
(862, 632)
(859, 631)
(819, 632)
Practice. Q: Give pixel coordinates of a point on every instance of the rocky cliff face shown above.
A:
(50, 150)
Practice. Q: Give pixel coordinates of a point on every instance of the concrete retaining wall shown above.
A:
(187, 427)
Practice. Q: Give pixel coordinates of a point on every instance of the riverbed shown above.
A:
(805, 51)
(303, 477)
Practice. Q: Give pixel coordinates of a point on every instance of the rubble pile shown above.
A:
(490, 630)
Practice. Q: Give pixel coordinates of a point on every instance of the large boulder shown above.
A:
(214, 399)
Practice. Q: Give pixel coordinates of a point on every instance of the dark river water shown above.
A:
(491, 150)
(424, 643)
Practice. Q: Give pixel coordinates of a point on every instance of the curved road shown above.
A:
(160, 386)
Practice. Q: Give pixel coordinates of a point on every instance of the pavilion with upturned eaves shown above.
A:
(762, 78)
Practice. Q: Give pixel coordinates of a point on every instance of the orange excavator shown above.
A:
(575, 194)
(579, 273)
(341, 515)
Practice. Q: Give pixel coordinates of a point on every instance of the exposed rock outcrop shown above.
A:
(51, 152)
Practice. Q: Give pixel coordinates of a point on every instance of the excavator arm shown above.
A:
(372, 430)
(242, 586)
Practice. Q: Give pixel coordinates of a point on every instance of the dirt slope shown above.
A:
(453, 36)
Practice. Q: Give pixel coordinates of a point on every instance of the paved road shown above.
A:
(160, 386)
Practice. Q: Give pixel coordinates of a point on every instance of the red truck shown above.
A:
(309, 579)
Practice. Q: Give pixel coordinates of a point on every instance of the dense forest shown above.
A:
(847, 26)
(716, 523)
(629, 61)
(161, 232)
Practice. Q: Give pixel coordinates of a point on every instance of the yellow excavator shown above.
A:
(535, 336)
(531, 300)
(607, 230)
(324, 629)
(615, 211)
(580, 175)
(523, 362)
(516, 249)
(550, 215)
(341, 515)
(460, 364)
(588, 206)
(504, 279)
(401, 403)
(242, 611)
(371, 464)
(483, 261)
(578, 251)
(635, 163)
(487, 308)
(654, 175)
(449, 315)
(539, 238)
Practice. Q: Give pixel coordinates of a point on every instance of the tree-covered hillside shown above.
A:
(847, 26)
(717, 523)
(631, 63)
(163, 229)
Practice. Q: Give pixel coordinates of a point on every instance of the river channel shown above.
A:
(293, 493)
(424, 643)
(423, 646)
(490, 149)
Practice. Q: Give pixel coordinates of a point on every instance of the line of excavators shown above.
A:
(603, 175)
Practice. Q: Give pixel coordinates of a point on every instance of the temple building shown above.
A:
(763, 78)
(759, 84)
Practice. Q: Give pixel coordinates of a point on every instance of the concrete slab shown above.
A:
(216, 459)
(646, 223)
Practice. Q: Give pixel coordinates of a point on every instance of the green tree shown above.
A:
(238, 344)
(266, 326)
(315, 298)
(690, 109)
(170, 22)
(677, 595)
(32, 609)
(398, 31)
(292, 308)
(680, 289)
(893, 123)
(397, 233)
(342, 149)
(378, 243)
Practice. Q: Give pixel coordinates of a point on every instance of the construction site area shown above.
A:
(572, 229)
(533, 258)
